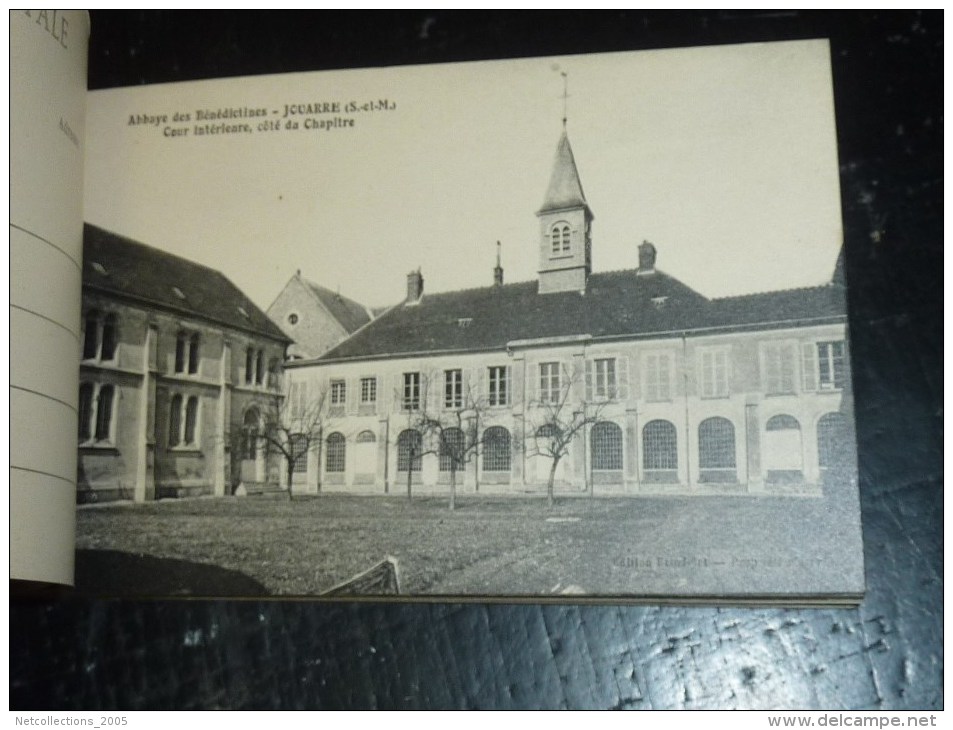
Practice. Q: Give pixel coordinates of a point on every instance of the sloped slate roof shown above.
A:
(616, 304)
(347, 312)
(119, 265)
(565, 188)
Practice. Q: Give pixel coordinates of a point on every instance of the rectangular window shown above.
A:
(368, 391)
(549, 386)
(714, 374)
(453, 389)
(338, 392)
(605, 385)
(411, 400)
(658, 376)
(498, 386)
(778, 368)
(830, 365)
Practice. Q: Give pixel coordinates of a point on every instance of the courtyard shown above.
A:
(486, 547)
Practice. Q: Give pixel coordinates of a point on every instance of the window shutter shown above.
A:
(809, 366)
(589, 378)
(352, 394)
(622, 376)
(481, 385)
(509, 385)
(665, 377)
(516, 388)
(292, 404)
(396, 393)
(433, 382)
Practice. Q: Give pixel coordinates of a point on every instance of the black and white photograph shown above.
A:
(553, 329)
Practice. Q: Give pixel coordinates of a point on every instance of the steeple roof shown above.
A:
(565, 189)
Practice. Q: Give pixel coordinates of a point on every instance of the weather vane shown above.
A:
(565, 94)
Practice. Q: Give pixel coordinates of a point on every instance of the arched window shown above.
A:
(496, 449)
(336, 452)
(782, 422)
(408, 450)
(781, 454)
(546, 431)
(366, 437)
(832, 440)
(191, 419)
(250, 435)
(560, 239)
(659, 449)
(100, 336)
(451, 449)
(564, 236)
(96, 403)
(175, 420)
(606, 446)
(716, 450)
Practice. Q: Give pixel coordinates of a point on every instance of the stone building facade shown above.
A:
(175, 364)
(679, 393)
(315, 317)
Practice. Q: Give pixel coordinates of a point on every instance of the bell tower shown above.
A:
(565, 227)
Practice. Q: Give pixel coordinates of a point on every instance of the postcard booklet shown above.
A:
(565, 328)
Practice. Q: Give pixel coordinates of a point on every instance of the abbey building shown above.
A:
(659, 389)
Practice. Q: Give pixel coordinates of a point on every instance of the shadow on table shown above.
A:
(117, 574)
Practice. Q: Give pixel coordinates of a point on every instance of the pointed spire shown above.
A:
(565, 189)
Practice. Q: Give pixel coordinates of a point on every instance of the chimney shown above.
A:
(415, 286)
(498, 270)
(646, 258)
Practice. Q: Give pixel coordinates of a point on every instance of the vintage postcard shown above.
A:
(547, 329)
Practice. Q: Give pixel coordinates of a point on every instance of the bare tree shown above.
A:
(292, 424)
(449, 416)
(558, 416)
